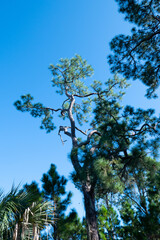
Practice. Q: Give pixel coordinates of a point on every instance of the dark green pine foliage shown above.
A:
(128, 135)
(140, 208)
(34, 190)
(54, 190)
(72, 228)
(36, 110)
(126, 166)
(108, 221)
(137, 55)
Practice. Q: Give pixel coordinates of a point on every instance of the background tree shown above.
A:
(70, 227)
(34, 190)
(139, 208)
(127, 168)
(54, 191)
(137, 56)
(108, 221)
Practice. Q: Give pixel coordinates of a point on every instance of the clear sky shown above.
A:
(34, 34)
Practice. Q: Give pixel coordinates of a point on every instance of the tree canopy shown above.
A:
(115, 148)
(137, 56)
(120, 143)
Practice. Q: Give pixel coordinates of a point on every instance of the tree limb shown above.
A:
(81, 131)
(145, 39)
(139, 206)
(65, 130)
(89, 138)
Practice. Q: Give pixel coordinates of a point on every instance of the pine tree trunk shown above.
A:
(91, 216)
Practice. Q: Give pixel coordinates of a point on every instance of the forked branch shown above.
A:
(89, 138)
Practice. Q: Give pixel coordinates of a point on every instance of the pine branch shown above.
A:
(139, 206)
(89, 138)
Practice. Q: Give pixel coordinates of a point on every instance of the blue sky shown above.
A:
(34, 34)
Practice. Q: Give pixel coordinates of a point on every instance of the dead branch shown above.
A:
(89, 138)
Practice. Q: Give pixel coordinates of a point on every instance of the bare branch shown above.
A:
(89, 138)
(96, 93)
(139, 206)
(61, 137)
(65, 130)
(52, 109)
(70, 115)
(138, 131)
(86, 95)
(65, 101)
(88, 130)
(81, 131)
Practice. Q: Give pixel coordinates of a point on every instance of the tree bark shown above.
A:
(91, 216)
(87, 189)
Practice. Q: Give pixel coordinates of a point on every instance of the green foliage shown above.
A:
(117, 157)
(64, 227)
(135, 212)
(34, 190)
(54, 187)
(10, 204)
(19, 214)
(107, 176)
(68, 77)
(70, 227)
(54, 190)
(140, 211)
(108, 222)
(137, 56)
(36, 110)
(128, 138)
(68, 74)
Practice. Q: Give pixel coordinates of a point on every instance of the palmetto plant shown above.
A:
(34, 219)
(9, 206)
(20, 217)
